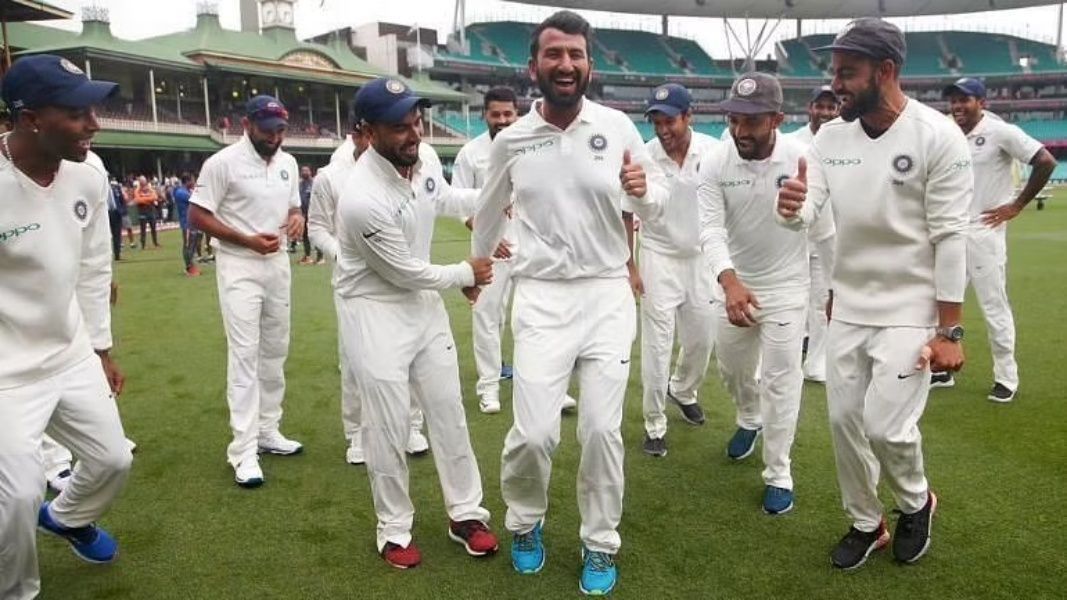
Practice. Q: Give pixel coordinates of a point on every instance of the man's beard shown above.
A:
(399, 159)
(265, 149)
(863, 103)
(547, 87)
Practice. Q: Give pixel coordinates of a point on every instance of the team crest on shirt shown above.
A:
(285, 175)
(903, 164)
(430, 185)
(979, 141)
(598, 142)
(778, 183)
(81, 210)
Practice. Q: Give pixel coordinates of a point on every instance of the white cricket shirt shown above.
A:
(347, 148)
(803, 136)
(322, 211)
(995, 146)
(469, 172)
(248, 193)
(677, 230)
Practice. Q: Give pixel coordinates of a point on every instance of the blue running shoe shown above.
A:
(528, 551)
(598, 573)
(777, 500)
(743, 443)
(90, 543)
(506, 372)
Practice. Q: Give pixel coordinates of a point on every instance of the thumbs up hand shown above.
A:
(794, 191)
(632, 177)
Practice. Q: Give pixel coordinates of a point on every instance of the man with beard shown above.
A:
(562, 165)
(56, 371)
(822, 108)
(674, 272)
(394, 326)
(995, 146)
(247, 199)
(899, 176)
(763, 272)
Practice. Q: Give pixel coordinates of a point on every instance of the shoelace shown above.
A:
(82, 535)
(526, 542)
(469, 528)
(907, 523)
(599, 561)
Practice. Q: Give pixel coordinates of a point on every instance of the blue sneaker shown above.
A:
(598, 573)
(777, 500)
(90, 543)
(528, 551)
(743, 443)
(506, 372)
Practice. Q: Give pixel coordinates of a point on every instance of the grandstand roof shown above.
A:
(14, 11)
(792, 9)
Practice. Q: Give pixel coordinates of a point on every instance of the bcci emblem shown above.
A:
(285, 175)
(81, 210)
(778, 183)
(431, 185)
(662, 93)
(598, 142)
(979, 141)
(903, 164)
(394, 86)
(746, 87)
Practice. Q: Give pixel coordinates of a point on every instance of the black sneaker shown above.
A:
(942, 380)
(913, 532)
(853, 549)
(655, 446)
(691, 413)
(1001, 393)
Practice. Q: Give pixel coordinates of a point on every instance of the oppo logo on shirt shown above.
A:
(531, 148)
(842, 162)
(18, 231)
(962, 163)
(736, 183)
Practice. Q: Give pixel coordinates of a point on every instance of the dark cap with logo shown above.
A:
(47, 80)
(968, 86)
(671, 99)
(267, 112)
(824, 90)
(754, 93)
(386, 100)
(871, 37)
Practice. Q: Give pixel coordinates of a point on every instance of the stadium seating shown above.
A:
(457, 123)
(1045, 130)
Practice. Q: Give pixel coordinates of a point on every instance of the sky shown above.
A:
(141, 18)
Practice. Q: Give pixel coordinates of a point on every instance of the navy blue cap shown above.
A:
(824, 90)
(48, 80)
(872, 37)
(267, 112)
(671, 99)
(968, 86)
(386, 100)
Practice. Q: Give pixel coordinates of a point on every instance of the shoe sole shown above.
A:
(750, 450)
(878, 544)
(942, 384)
(996, 400)
(595, 592)
(679, 404)
(929, 530)
(277, 452)
(81, 556)
(780, 512)
(249, 484)
(355, 462)
(398, 565)
(418, 452)
(491, 410)
(455, 538)
(655, 454)
(544, 557)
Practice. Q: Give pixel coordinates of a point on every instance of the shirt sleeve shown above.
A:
(463, 172)
(490, 221)
(321, 216)
(949, 190)
(381, 242)
(711, 205)
(210, 186)
(1018, 145)
(294, 185)
(455, 202)
(93, 289)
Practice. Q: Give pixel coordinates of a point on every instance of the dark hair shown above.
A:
(187, 178)
(568, 22)
(501, 94)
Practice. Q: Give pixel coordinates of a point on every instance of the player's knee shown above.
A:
(115, 461)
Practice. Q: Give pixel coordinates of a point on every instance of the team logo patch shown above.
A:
(979, 141)
(285, 175)
(778, 183)
(903, 164)
(598, 142)
(662, 93)
(395, 87)
(70, 67)
(746, 87)
(81, 210)
(430, 184)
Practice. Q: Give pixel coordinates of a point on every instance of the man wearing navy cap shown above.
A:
(393, 322)
(56, 373)
(995, 146)
(677, 282)
(247, 199)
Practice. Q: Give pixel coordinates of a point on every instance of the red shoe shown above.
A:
(474, 536)
(193, 271)
(401, 557)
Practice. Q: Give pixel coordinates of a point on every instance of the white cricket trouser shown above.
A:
(772, 403)
(254, 296)
(399, 349)
(875, 399)
(677, 294)
(488, 318)
(55, 457)
(987, 259)
(591, 324)
(815, 360)
(76, 408)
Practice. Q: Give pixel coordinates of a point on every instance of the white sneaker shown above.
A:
(569, 403)
(60, 481)
(417, 444)
(489, 403)
(276, 443)
(132, 445)
(354, 454)
(247, 473)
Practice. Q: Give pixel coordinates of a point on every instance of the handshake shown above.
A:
(483, 275)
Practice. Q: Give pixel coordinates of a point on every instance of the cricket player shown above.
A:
(322, 231)
(247, 200)
(394, 325)
(995, 146)
(562, 164)
(822, 108)
(674, 272)
(56, 371)
(763, 272)
(898, 174)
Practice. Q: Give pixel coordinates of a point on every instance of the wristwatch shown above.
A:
(952, 334)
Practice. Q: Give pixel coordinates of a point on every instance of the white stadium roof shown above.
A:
(792, 9)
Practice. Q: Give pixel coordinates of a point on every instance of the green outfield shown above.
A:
(692, 526)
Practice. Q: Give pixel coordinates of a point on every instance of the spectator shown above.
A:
(305, 202)
(146, 198)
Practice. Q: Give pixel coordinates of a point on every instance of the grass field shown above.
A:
(692, 525)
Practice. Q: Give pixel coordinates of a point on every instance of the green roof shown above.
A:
(139, 140)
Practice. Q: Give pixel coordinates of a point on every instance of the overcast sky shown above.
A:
(140, 18)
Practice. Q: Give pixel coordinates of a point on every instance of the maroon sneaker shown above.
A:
(474, 536)
(401, 557)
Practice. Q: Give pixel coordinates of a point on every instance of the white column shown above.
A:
(88, 69)
(152, 89)
(207, 107)
(311, 113)
(430, 114)
(337, 110)
(159, 168)
(178, 95)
